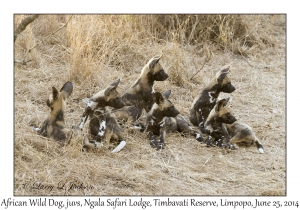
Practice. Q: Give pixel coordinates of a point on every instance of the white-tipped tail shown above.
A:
(120, 146)
(35, 129)
(261, 150)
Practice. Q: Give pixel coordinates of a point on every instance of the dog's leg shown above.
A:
(152, 138)
(183, 126)
(194, 133)
(224, 139)
(234, 140)
(209, 141)
(43, 130)
(160, 144)
(83, 120)
(162, 134)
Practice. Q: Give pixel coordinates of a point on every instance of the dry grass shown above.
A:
(94, 50)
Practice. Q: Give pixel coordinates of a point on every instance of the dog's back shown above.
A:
(241, 132)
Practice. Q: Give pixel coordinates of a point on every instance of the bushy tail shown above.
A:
(120, 146)
(259, 145)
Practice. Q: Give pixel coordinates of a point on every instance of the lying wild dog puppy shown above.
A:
(206, 100)
(215, 124)
(164, 118)
(103, 124)
(240, 132)
(139, 95)
(53, 126)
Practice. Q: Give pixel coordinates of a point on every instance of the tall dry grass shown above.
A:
(90, 43)
(94, 50)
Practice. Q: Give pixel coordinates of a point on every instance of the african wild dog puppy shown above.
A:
(103, 124)
(206, 100)
(139, 95)
(53, 126)
(240, 132)
(164, 118)
(215, 124)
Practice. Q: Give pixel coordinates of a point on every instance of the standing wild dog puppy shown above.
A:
(53, 126)
(103, 124)
(139, 95)
(240, 132)
(206, 100)
(164, 118)
(215, 124)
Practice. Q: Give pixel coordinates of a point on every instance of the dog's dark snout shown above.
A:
(88, 109)
(165, 75)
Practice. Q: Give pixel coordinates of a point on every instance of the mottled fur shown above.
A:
(215, 124)
(139, 95)
(53, 126)
(164, 118)
(243, 133)
(103, 124)
(206, 100)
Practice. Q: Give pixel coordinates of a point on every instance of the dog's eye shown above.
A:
(171, 108)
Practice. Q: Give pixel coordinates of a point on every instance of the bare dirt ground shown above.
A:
(184, 167)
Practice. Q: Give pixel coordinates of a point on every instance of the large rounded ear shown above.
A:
(220, 104)
(167, 94)
(111, 87)
(226, 101)
(67, 89)
(157, 97)
(154, 60)
(54, 93)
(222, 74)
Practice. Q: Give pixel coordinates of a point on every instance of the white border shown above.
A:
(153, 6)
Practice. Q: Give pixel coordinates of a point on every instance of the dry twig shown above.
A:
(50, 35)
(23, 25)
(206, 60)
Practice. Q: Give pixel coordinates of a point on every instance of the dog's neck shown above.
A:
(156, 114)
(146, 77)
(216, 88)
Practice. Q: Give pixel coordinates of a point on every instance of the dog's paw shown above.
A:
(209, 141)
(230, 146)
(153, 143)
(199, 137)
(160, 146)
(219, 143)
